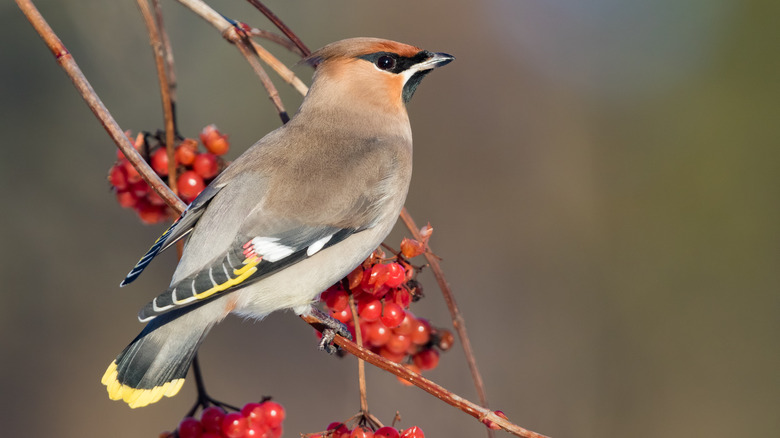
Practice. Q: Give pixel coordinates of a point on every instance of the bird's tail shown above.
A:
(156, 362)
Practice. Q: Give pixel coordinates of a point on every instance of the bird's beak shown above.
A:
(436, 60)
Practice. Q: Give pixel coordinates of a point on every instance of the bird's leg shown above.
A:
(333, 327)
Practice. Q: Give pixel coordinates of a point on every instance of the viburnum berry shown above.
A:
(190, 428)
(214, 141)
(206, 165)
(190, 185)
(131, 173)
(369, 309)
(159, 161)
(413, 432)
(387, 432)
(400, 296)
(377, 334)
(406, 327)
(355, 277)
(273, 414)
(396, 275)
(344, 315)
(426, 359)
(186, 152)
(411, 248)
(446, 339)
(234, 425)
(212, 417)
(392, 315)
(421, 332)
(338, 429)
(399, 344)
(361, 432)
(126, 199)
(117, 177)
(337, 299)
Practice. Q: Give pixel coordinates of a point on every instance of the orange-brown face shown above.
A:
(381, 73)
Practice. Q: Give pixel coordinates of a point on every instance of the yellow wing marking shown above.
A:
(242, 274)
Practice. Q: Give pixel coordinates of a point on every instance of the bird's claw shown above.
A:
(333, 327)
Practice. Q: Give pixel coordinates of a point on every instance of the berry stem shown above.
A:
(480, 413)
(457, 319)
(281, 26)
(68, 63)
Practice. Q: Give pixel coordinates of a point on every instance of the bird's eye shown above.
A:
(385, 62)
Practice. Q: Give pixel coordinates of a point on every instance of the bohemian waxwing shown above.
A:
(291, 216)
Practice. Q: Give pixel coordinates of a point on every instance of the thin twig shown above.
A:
(361, 363)
(168, 52)
(480, 413)
(207, 13)
(276, 38)
(285, 73)
(283, 27)
(66, 61)
(457, 319)
(156, 42)
(242, 41)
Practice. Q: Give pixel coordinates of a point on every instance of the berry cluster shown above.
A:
(382, 293)
(255, 420)
(340, 430)
(195, 169)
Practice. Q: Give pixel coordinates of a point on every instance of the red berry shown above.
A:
(209, 434)
(139, 189)
(361, 432)
(392, 356)
(253, 413)
(407, 325)
(355, 277)
(211, 418)
(185, 153)
(206, 165)
(421, 332)
(190, 185)
(258, 430)
(190, 428)
(126, 199)
(398, 344)
(339, 430)
(273, 414)
(117, 177)
(213, 140)
(337, 300)
(150, 214)
(342, 315)
(387, 432)
(376, 334)
(413, 432)
(395, 275)
(392, 315)
(132, 174)
(411, 248)
(234, 425)
(426, 359)
(159, 161)
(446, 339)
(400, 296)
(369, 309)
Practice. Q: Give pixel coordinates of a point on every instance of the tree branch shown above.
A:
(66, 61)
(473, 409)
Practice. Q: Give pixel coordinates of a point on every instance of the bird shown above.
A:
(295, 213)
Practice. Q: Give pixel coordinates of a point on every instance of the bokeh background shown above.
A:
(602, 177)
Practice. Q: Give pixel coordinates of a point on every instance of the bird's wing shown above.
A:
(180, 228)
(248, 260)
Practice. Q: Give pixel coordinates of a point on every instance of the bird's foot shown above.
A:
(333, 327)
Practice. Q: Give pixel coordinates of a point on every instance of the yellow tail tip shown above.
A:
(137, 397)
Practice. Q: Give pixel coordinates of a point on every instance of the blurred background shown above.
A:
(602, 177)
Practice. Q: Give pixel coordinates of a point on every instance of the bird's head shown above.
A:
(381, 73)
